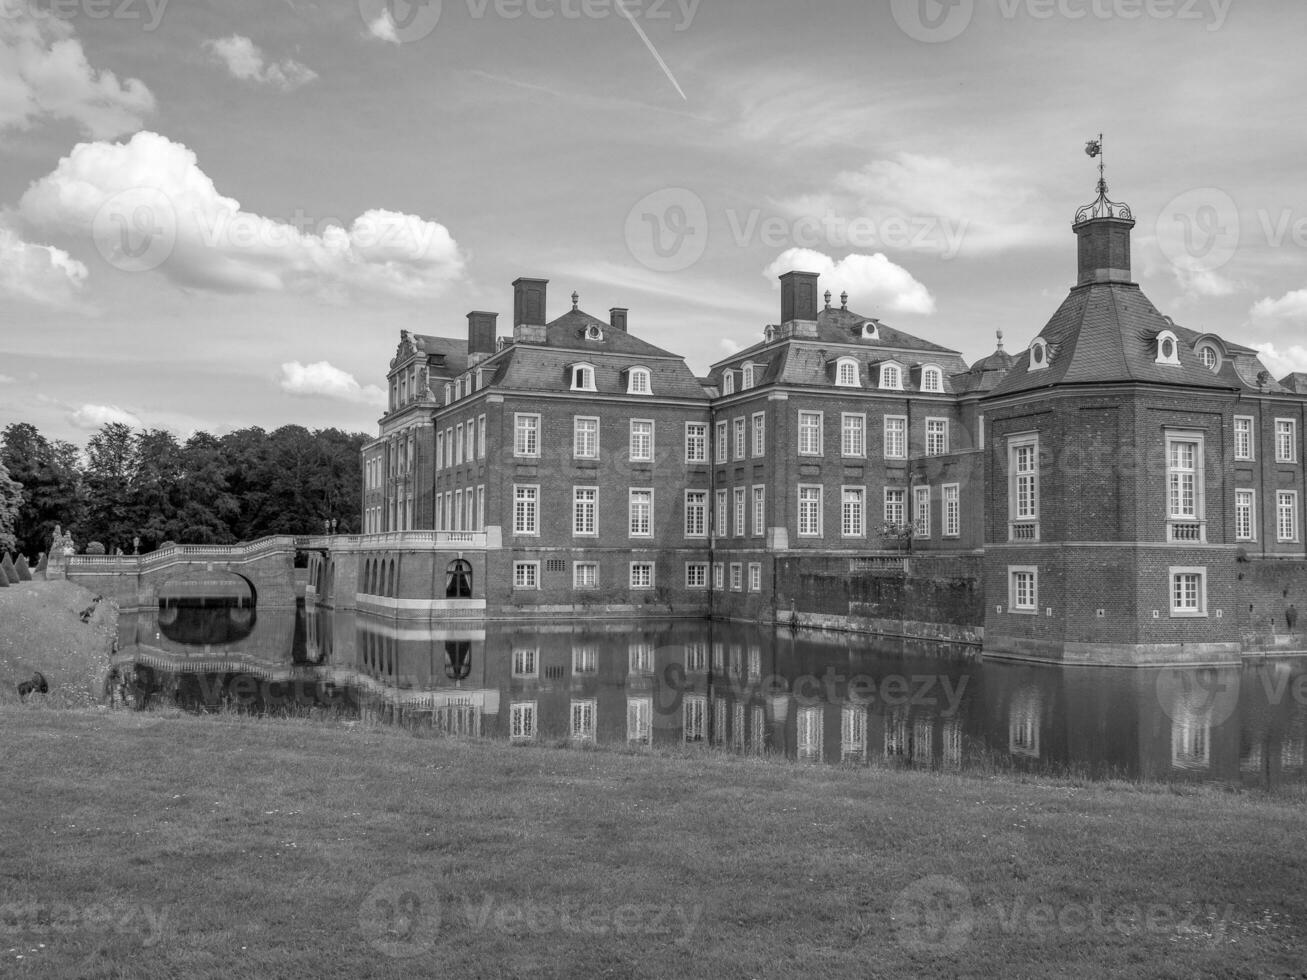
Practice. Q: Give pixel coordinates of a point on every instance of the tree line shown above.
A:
(144, 484)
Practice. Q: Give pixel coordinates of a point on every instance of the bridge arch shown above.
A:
(173, 586)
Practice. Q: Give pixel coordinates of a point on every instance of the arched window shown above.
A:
(932, 379)
(449, 392)
(728, 382)
(891, 377)
(769, 334)
(846, 373)
(1168, 348)
(593, 332)
(458, 580)
(390, 584)
(583, 377)
(637, 382)
(869, 332)
(1210, 357)
(746, 377)
(1038, 354)
(458, 659)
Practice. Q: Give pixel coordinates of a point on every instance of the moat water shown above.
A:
(804, 696)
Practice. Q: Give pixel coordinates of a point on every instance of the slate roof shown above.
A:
(1296, 382)
(454, 353)
(1106, 332)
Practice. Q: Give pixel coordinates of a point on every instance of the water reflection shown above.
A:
(808, 697)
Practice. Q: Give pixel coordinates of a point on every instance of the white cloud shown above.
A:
(245, 61)
(1290, 361)
(327, 381)
(39, 273)
(6, 379)
(1290, 306)
(146, 204)
(94, 416)
(383, 28)
(873, 281)
(730, 346)
(44, 74)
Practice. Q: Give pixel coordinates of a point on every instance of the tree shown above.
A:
(11, 503)
(155, 488)
(53, 489)
(207, 509)
(111, 464)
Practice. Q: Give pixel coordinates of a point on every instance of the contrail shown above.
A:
(621, 5)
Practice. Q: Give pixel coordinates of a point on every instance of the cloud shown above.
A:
(40, 274)
(44, 74)
(6, 379)
(730, 346)
(327, 381)
(871, 280)
(1290, 306)
(245, 61)
(147, 205)
(94, 416)
(383, 28)
(1290, 361)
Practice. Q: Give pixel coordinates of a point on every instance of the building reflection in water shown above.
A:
(807, 696)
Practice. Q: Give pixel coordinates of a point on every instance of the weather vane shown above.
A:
(1102, 207)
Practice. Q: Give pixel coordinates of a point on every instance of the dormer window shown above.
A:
(846, 373)
(932, 379)
(1210, 356)
(891, 377)
(594, 332)
(1038, 354)
(1168, 349)
(481, 379)
(637, 382)
(868, 331)
(449, 393)
(728, 382)
(746, 377)
(769, 334)
(583, 377)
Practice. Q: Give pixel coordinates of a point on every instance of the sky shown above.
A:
(221, 214)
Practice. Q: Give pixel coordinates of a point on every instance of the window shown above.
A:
(480, 438)
(746, 377)
(932, 379)
(449, 392)
(458, 511)
(1210, 357)
(755, 576)
(737, 577)
(1286, 515)
(1243, 437)
(810, 434)
(1168, 349)
(696, 442)
(640, 658)
(896, 506)
(526, 662)
(1188, 592)
(696, 575)
(921, 511)
(526, 435)
(853, 435)
(809, 512)
(896, 437)
(1245, 515)
(1285, 451)
(723, 448)
(738, 427)
(721, 515)
(440, 450)
(1023, 488)
(759, 435)
(637, 382)
(741, 514)
(1023, 589)
(526, 509)
(642, 440)
(458, 444)
(639, 720)
(642, 575)
(936, 437)
(846, 373)
(640, 510)
(585, 511)
(526, 575)
(583, 377)
(481, 508)
(853, 512)
(585, 575)
(449, 446)
(718, 575)
(759, 511)
(1184, 461)
(728, 382)
(694, 717)
(1039, 354)
(952, 510)
(585, 438)
(583, 720)
(696, 513)
(522, 722)
(891, 377)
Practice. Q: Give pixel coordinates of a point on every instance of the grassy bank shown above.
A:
(140, 845)
(40, 630)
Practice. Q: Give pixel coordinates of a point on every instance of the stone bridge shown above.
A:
(267, 566)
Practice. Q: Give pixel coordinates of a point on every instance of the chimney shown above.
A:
(529, 310)
(481, 329)
(1104, 249)
(799, 304)
(617, 318)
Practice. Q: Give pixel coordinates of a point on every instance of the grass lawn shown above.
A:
(144, 845)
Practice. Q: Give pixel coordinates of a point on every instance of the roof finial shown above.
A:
(844, 300)
(576, 298)
(828, 299)
(1102, 207)
(1000, 339)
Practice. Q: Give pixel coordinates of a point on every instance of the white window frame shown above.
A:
(755, 576)
(722, 447)
(853, 522)
(1286, 440)
(804, 499)
(526, 576)
(522, 721)
(737, 576)
(584, 711)
(895, 505)
(746, 376)
(921, 511)
(635, 528)
(951, 495)
(937, 437)
(739, 498)
(1023, 488)
(853, 435)
(583, 377)
(526, 522)
(1286, 515)
(696, 575)
(1245, 514)
(1245, 445)
(896, 436)
(1182, 483)
(640, 453)
(1181, 609)
(721, 514)
(696, 513)
(640, 571)
(526, 435)
(846, 373)
(583, 570)
(696, 442)
(639, 381)
(891, 377)
(759, 511)
(458, 444)
(1167, 339)
(811, 434)
(585, 511)
(580, 437)
(740, 437)
(1015, 575)
(930, 374)
(728, 382)
(718, 575)
(759, 435)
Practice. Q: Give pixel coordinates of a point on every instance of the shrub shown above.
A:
(95, 548)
